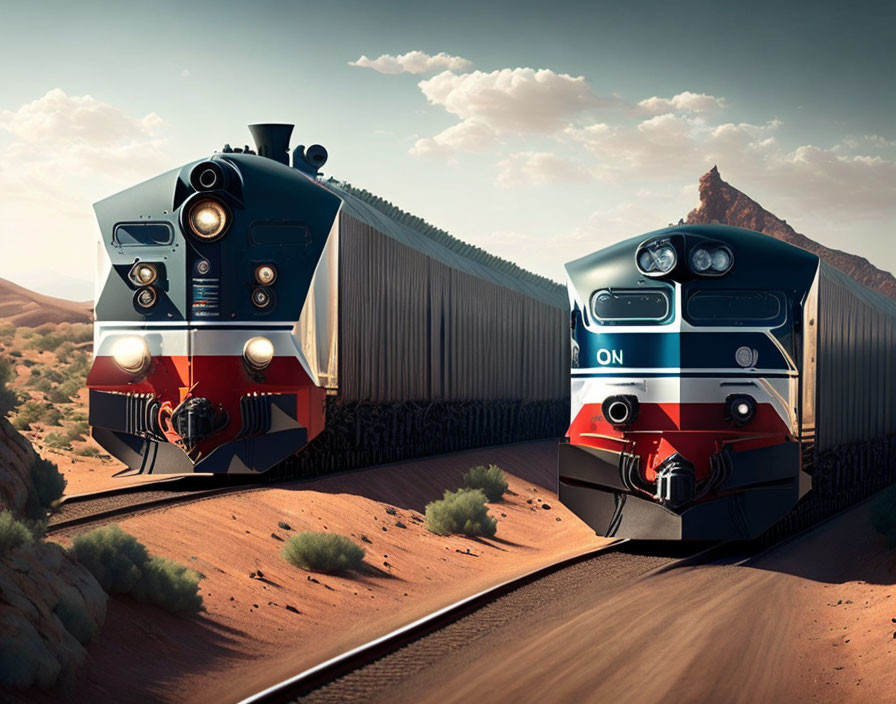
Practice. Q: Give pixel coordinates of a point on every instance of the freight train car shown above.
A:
(248, 310)
(721, 378)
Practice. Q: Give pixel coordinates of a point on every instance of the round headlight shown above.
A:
(664, 258)
(645, 261)
(258, 352)
(741, 408)
(261, 298)
(721, 260)
(208, 219)
(265, 274)
(746, 357)
(701, 260)
(146, 297)
(131, 354)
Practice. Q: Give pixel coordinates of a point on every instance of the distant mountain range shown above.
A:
(24, 308)
(721, 203)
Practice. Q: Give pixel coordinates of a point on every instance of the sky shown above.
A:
(537, 131)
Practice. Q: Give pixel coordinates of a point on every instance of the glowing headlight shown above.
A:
(721, 260)
(701, 260)
(208, 219)
(265, 274)
(258, 352)
(131, 354)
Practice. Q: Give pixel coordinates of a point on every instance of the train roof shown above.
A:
(438, 244)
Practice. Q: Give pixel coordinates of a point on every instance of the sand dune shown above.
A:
(24, 308)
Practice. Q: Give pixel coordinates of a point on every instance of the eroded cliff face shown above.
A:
(50, 605)
(16, 458)
(722, 203)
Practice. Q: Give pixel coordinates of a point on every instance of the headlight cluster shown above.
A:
(144, 275)
(709, 260)
(657, 259)
(262, 296)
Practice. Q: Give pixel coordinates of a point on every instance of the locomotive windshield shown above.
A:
(630, 306)
(763, 308)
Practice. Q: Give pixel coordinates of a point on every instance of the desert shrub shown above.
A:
(66, 352)
(490, 480)
(46, 342)
(79, 332)
(26, 333)
(57, 441)
(70, 387)
(114, 557)
(49, 484)
(7, 333)
(462, 511)
(88, 451)
(170, 585)
(122, 565)
(13, 532)
(882, 513)
(77, 430)
(322, 552)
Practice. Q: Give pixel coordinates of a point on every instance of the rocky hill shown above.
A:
(721, 203)
(24, 308)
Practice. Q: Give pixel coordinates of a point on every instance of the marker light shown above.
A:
(746, 357)
(131, 354)
(740, 408)
(146, 297)
(261, 297)
(265, 274)
(701, 260)
(208, 219)
(143, 274)
(258, 352)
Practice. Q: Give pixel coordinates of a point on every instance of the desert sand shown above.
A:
(248, 639)
(811, 621)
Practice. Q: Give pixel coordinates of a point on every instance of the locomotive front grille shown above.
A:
(255, 412)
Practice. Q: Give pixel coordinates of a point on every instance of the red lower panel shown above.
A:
(694, 430)
(222, 380)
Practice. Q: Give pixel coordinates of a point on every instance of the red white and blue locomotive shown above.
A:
(717, 375)
(246, 307)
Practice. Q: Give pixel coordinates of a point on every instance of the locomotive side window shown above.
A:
(134, 234)
(651, 305)
(764, 308)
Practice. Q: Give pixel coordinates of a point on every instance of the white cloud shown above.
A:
(468, 136)
(528, 168)
(413, 62)
(518, 100)
(683, 102)
(66, 153)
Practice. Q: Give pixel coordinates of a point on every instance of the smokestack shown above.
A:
(272, 140)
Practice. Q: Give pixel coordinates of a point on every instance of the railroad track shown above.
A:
(105, 506)
(357, 675)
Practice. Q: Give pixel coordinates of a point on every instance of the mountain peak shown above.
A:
(721, 203)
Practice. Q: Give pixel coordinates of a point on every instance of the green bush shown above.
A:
(114, 557)
(49, 484)
(170, 585)
(88, 451)
(322, 552)
(70, 609)
(882, 512)
(122, 565)
(36, 412)
(7, 333)
(462, 511)
(46, 343)
(57, 441)
(13, 532)
(77, 430)
(490, 480)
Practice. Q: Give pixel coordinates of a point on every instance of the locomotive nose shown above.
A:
(192, 421)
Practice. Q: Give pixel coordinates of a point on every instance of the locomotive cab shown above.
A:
(689, 418)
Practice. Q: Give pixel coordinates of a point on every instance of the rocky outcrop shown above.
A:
(50, 606)
(16, 458)
(723, 204)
